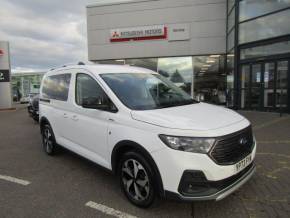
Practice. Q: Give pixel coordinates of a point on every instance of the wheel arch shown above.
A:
(42, 122)
(125, 146)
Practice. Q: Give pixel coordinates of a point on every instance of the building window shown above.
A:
(210, 79)
(202, 77)
(265, 27)
(231, 40)
(266, 50)
(231, 4)
(179, 70)
(253, 8)
(230, 78)
(231, 20)
(116, 62)
(149, 63)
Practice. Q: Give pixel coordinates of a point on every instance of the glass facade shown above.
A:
(203, 77)
(253, 8)
(265, 27)
(261, 75)
(266, 50)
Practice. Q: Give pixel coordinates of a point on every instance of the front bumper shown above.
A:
(173, 164)
(230, 185)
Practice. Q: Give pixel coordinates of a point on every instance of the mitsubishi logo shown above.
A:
(243, 141)
(115, 35)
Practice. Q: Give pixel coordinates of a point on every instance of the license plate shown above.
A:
(243, 163)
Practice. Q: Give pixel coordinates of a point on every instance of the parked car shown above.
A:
(33, 107)
(147, 131)
(27, 99)
(24, 100)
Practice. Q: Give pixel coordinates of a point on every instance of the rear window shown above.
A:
(56, 87)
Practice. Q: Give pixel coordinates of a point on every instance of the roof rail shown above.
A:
(72, 64)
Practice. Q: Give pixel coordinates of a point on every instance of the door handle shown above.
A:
(75, 118)
(112, 120)
(65, 115)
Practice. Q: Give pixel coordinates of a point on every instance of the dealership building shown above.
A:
(233, 53)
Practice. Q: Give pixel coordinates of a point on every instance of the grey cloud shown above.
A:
(44, 34)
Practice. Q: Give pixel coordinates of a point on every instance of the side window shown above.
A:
(90, 94)
(56, 87)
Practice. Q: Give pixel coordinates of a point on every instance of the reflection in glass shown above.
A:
(256, 76)
(115, 62)
(230, 79)
(245, 76)
(231, 40)
(255, 98)
(282, 84)
(269, 83)
(149, 63)
(245, 94)
(282, 72)
(245, 82)
(210, 79)
(266, 50)
(231, 4)
(254, 8)
(265, 27)
(269, 75)
(179, 70)
(231, 20)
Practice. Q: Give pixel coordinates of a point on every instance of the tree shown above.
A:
(176, 77)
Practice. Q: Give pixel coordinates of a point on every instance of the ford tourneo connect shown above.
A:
(150, 133)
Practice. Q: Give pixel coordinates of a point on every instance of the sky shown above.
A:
(44, 34)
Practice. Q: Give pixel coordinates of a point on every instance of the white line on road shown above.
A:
(15, 180)
(108, 210)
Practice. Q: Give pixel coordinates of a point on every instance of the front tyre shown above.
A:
(136, 179)
(48, 140)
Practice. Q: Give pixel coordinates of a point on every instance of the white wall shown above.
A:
(5, 87)
(207, 20)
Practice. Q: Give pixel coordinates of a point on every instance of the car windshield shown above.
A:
(145, 91)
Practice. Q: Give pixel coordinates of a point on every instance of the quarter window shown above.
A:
(56, 87)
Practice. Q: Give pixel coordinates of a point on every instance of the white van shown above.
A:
(150, 133)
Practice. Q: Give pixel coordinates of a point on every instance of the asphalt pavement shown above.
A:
(33, 184)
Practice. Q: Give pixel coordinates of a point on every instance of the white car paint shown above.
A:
(93, 133)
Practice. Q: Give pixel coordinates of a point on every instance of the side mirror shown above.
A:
(99, 103)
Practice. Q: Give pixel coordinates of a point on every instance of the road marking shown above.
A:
(108, 210)
(15, 180)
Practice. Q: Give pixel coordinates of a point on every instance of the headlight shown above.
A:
(188, 144)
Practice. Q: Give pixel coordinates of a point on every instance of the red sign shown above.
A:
(139, 33)
(1, 52)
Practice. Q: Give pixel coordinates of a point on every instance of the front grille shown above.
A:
(232, 148)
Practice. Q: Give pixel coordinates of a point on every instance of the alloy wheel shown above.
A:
(135, 180)
(47, 139)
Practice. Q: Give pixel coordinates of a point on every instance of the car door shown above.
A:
(88, 127)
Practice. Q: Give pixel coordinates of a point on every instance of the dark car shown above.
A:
(33, 108)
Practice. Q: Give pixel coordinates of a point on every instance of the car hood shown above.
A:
(200, 116)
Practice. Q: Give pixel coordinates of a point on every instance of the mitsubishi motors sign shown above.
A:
(139, 33)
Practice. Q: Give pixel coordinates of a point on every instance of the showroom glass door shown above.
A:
(264, 85)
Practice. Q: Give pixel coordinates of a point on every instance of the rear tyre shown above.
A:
(136, 179)
(48, 140)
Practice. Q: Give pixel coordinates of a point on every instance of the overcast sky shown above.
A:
(44, 33)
